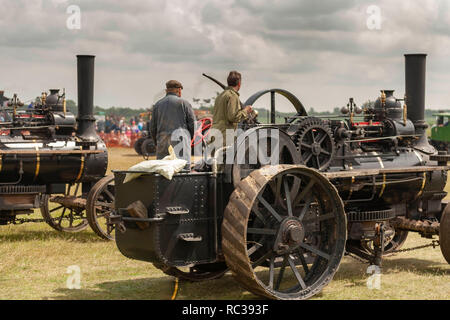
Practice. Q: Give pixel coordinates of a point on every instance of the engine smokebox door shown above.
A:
(181, 231)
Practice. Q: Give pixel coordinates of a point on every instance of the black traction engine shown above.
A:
(50, 159)
(354, 184)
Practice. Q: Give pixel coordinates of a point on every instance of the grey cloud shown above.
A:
(211, 14)
(298, 8)
(304, 45)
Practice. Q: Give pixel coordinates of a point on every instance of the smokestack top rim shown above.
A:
(85, 56)
(416, 54)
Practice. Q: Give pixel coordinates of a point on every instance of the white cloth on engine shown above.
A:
(166, 167)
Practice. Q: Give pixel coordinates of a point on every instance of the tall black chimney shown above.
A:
(415, 72)
(415, 78)
(86, 121)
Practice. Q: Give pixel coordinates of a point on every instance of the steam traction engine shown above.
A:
(354, 185)
(51, 160)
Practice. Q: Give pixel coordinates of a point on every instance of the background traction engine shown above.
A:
(51, 160)
(351, 184)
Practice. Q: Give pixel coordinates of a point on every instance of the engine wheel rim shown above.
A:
(310, 263)
(62, 218)
(444, 233)
(100, 205)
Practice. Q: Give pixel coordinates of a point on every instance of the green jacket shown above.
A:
(227, 111)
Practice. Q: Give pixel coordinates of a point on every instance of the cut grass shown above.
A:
(34, 260)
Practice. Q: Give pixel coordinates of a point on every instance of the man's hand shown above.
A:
(248, 109)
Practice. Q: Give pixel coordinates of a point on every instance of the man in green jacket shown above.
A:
(227, 108)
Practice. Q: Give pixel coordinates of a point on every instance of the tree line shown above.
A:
(264, 114)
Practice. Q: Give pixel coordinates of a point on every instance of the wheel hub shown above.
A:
(290, 235)
(316, 149)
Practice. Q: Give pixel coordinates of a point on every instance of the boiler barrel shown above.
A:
(48, 166)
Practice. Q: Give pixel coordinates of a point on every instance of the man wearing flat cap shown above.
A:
(170, 114)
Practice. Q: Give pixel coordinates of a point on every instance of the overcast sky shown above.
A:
(322, 51)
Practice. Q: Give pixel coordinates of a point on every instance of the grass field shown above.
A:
(34, 260)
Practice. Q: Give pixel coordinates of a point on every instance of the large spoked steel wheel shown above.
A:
(444, 233)
(197, 273)
(100, 204)
(66, 212)
(287, 242)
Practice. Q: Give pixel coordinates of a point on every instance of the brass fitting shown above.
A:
(383, 98)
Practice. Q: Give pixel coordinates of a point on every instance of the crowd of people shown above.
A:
(114, 124)
(117, 131)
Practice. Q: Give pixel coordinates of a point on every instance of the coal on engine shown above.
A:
(355, 184)
(50, 159)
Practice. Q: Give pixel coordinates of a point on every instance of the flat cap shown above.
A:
(174, 84)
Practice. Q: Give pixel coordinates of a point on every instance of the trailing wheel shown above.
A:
(100, 203)
(285, 242)
(66, 212)
(444, 233)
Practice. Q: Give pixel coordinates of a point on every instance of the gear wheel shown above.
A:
(315, 144)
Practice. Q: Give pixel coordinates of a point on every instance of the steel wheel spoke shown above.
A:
(270, 232)
(308, 158)
(271, 271)
(269, 207)
(280, 275)
(262, 259)
(253, 249)
(54, 209)
(259, 214)
(288, 198)
(296, 273)
(304, 192)
(306, 207)
(317, 161)
(71, 218)
(62, 216)
(322, 139)
(316, 251)
(275, 186)
(109, 194)
(306, 145)
(313, 136)
(320, 218)
(303, 261)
